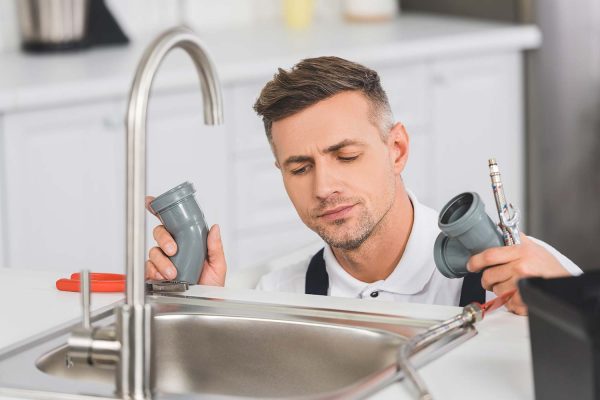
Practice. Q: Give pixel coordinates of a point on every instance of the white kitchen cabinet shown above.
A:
(455, 84)
(64, 171)
(260, 199)
(64, 167)
(477, 114)
(65, 178)
(3, 225)
(247, 129)
(459, 112)
(181, 148)
(266, 223)
(408, 88)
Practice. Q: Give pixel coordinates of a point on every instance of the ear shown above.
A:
(276, 163)
(398, 144)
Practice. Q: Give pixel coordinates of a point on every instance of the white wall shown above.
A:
(144, 18)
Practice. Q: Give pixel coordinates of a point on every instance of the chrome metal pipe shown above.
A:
(509, 223)
(471, 314)
(86, 298)
(134, 369)
(136, 139)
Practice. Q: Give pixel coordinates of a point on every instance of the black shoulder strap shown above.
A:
(317, 280)
(472, 291)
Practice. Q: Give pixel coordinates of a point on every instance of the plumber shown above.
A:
(341, 157)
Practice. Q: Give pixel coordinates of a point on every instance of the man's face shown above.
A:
(339, 173)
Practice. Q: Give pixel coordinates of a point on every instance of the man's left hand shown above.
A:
(504, 266)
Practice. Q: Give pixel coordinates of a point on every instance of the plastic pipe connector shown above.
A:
(182, 217)
(466, 230)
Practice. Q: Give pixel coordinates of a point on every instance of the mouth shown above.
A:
(336, 213)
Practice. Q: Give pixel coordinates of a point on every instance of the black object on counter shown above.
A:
(58, 26)
(564, 325)
(103, 28)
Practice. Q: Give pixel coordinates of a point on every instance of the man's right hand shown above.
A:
(160, 267)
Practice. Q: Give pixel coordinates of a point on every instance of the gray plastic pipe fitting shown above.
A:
(466, 230)
(182, 217)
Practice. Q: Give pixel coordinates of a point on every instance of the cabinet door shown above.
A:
(181, 148)
(477, 114)
(408, 88)
(3, 224)
(64, 179)
(266, 223)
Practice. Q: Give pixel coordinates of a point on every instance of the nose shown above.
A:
(326, 182)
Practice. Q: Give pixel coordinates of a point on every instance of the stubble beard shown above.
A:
(354, 237)
(351, 240)
(367, 224)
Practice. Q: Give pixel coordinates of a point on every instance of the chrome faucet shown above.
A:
(134, 374)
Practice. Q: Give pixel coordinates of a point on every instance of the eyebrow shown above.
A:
(342, 144)
(331, 149)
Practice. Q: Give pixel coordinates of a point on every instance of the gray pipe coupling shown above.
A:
(182, 217)
(466, 230)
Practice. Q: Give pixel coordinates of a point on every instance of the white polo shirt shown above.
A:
(415, 279)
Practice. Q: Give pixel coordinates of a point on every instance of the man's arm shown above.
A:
(159, 266)
(503, 266)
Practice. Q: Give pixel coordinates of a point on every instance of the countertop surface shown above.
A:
(495, 364)
(246, 54)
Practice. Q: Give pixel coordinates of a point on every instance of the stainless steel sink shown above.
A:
(226, 348)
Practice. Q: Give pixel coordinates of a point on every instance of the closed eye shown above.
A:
(300, 171)
(346, 159)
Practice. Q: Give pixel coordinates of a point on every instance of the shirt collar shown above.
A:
(412, 272)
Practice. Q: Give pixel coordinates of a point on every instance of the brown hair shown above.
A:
(315, 79)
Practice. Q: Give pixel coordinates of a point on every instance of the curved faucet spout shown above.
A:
(134, 372)
(136, 138)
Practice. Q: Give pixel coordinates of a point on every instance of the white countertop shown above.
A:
(495, 364)
(38, 81)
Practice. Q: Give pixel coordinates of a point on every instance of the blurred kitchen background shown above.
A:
(471, 79)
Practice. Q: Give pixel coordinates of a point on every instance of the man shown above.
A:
(341, 157)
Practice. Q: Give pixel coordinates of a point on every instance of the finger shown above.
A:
(149, 200)
(493, 256)
(162, 263)
(165, 240)
(507, 286)
(149, 270)
(494, 275)
(516, 305)
(152, 272)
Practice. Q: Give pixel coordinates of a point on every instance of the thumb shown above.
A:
(215, 266)
(215, 245)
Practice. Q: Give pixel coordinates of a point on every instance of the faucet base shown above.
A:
(135, 375)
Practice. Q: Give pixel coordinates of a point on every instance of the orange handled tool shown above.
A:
(495, 303)
(99, 282)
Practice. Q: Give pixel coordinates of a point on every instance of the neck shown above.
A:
(378, 256)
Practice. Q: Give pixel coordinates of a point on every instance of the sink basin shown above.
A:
(225, 348)
(252, 357)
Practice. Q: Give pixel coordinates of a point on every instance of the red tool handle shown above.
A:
(99, 282)
(100, 276)
(497, 302)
